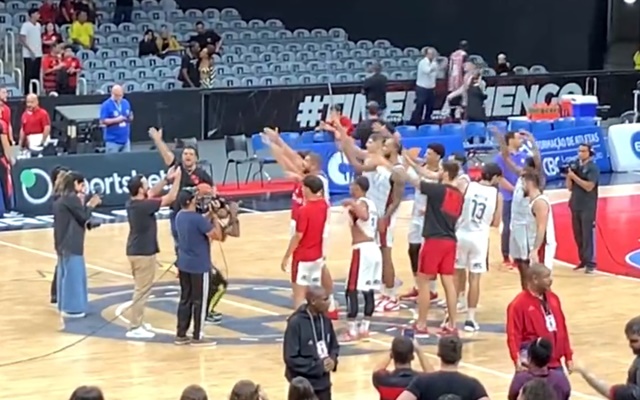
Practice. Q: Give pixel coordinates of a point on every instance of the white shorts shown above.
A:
(307, 273)
(385, 239)
(521, 240)
(472, 253)
(325, 235)
(415, 230)
(365, 272)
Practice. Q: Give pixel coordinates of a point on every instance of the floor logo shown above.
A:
(36, 186)
(264, 326)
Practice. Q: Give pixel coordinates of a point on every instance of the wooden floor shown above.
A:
(596, 306)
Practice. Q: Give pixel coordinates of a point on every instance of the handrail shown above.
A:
(1, 67)
(11, 46)
(35, 83)
(84, 86)
(18, 78)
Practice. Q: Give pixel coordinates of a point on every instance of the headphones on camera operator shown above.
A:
(574, 164)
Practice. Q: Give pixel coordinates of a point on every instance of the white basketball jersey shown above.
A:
(380, 188)
(480, 202)
(370, 226)
(550, 234)
(520, 207)
(419, 199)
(325, 186)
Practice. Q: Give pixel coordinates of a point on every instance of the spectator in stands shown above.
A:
(206, 69)
(81, 33)
(247, 390)
(73, 67)
(66, 12)
(167, 43)
(147, 46)
(194, 392)
(52, 69)
(189, 74)
(502, 65)
(86, 6)
(35, 124)
(50, 37)
(375, 87)
(425, 87)
(390, 384)
(87, 393)
(456, 66)
(48, 12)
(300, 389)
(336, 119)
(476, 96)
(123, 11)
(31, 40)
(116, 116)
(207, 38)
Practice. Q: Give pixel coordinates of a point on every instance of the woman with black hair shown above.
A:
(57, 177)
(71, 219)
(87, 393)
(538, 357)
(247, 390)
(300, 389)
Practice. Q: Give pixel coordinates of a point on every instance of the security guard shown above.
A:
(582, 180)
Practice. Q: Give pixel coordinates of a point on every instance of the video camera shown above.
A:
(207, 201)
(567, 165)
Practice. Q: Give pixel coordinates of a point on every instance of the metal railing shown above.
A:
(82, 87)
(17, 76)
(35, 84)
(1, 67)
(9, 51)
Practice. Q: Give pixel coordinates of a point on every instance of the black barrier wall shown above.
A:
(232, 111)
(106, 174)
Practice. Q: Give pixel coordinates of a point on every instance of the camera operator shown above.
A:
(196, 227)
(192, 174)
(142, 242)
(582, 180)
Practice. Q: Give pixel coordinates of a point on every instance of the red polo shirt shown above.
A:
(5, 119)
(35, 121)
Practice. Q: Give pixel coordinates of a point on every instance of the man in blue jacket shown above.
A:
(310, 344)
(116, 116)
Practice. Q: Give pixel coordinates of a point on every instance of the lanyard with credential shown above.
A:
(313, 328)
(118, 106)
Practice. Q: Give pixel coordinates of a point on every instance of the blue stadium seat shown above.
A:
(162, 72)
(142, 74)
(541, 126)
(113, 63)
(230, 82)
(290, 138)
(338, 34)
(172, 61)
(238, 25)
(475, 132)
(249, 81)
(516, 124)
(156, 15)
(376, 53)
(451, 129)
(344, 77)
(501, 126)
(102, 75)
(139, 15)
(388, 63)
(93, 64)
(407, 130)
(193, 14)
(20, 18)
(311, 47)
(125, 52)
(115, 39)
(85, 55)
(399, 75)
(150, 86)
(411, 52)
(122, 74)
(274, 24)
(307, 79)
(564, 123)
(182, 26)
(289, 80)
(247, 36)
(132, 86)
(133, 62)
(268, 81)
(105, 53)
(406, 62)
(128, 27)
(428, 130)
(230, 14)
(152, 61)
(586, 121)
(5, 19)
(358, 53)
(325, 78)
(329, 46)
(173, 15)
(7, 80)
(100, 40)
(171, 84)
(106, 87)
(394, 52)
(211, 13)
(16, 5)
(255, 24)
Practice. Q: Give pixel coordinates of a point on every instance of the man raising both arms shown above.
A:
(305, 247)
(543, 249)
(386, 191)
(482, 209)
(365, 271)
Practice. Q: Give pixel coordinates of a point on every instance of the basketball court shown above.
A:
(40, 356)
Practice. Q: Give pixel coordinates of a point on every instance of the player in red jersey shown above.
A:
(298, 165)
(438, 251)
(305, 247)
(5, 114)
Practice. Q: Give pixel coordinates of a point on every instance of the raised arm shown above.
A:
(167, 155)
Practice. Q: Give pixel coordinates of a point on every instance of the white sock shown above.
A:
(471, 314)
(332, 302)
(353, 327)
(364, 326)
(391, 292)
(415, 282)
(433, 286)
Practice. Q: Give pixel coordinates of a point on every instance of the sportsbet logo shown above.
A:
(37, 188)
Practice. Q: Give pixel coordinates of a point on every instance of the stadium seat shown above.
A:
(586, 121)
(112, 63)
(520, 70)
(500, 126)
(290, 138)
(564, 123)
(428, 130)
(451, 129)
(407, 130)
(475, 132)
(541, 126)
(516, 124)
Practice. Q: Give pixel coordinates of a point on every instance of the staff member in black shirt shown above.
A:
(207, 38)
(372, 124)
(71, 218)
(142, 242)
(582, 180)
(189, 73)
(375, 87)
(192, 174)
(448, 380)
(390, 384)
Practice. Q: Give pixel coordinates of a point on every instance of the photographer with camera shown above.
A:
(582, 178)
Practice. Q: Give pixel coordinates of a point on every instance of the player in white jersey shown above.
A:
(482, 210)
(365, 272)
(298, 165)
(386, 191)
(543, 248)
(433, 156)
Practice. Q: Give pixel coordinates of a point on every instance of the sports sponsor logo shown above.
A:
(502, 101)
(338, 169)
(635, 144)
(550, 165)
(36, 186)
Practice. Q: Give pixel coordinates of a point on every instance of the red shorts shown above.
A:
(437, 257)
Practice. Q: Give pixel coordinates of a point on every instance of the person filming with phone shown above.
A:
(404, 349)
(582, 178)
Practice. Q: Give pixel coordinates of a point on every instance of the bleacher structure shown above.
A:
(255, 52)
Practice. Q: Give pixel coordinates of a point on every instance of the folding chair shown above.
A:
(259, 148)
(237, 144)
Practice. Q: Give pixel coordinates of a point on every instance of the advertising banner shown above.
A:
(624, 147)
(106, 174)
(559, 147)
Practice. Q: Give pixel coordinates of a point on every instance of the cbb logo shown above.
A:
(550, 165)
(635, 144)
(338, 169)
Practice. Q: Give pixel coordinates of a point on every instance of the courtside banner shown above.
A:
(624, 147)
(560, 147)
(340, 173)
(106, 174)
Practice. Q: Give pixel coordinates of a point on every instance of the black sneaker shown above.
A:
(214, 318)
(471, 326)
(181, 340)
(203, 342)
(589, 270)
(54, 300)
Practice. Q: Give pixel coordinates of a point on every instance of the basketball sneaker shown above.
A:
(213, 318)
(181, 340)
(448, 331)
(422, 333)
(388, 305)
(506, 261)
(139, 333)
(364, 335)
(203, 342)
(347, 338)
(471, 326)
(411, 295)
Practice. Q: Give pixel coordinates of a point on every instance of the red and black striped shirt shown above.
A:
(390, 384)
